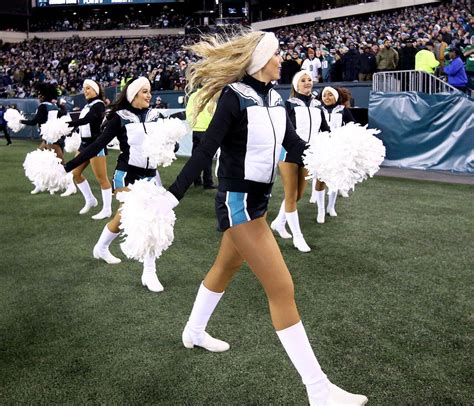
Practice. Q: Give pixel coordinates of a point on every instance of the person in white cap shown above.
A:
(308, 119)
(89, 123)
(336, 115)
(250, 125)
(129, 118)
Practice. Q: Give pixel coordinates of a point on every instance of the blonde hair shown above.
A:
(224, 59)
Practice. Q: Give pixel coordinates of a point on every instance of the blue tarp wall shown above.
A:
(423, 131)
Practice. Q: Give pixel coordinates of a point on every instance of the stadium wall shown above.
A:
(348, 11)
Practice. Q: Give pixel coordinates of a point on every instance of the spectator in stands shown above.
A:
(288, 69)
(407, 55)
(425, 60)
(387, 58)
(468, 53)
(440, 49)
(368, 64)
(351, 64)
(312, 64)
(327, 64)
(160, 104)
(455, 70)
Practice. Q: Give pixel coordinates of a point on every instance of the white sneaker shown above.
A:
(321, 216)
(36, 190)
(150, 280)
(209, 343)
(103, 214)
(280, 229)
(89, 205)
(312, 199)
(300, 244)
(332, 212)
(71, 189)
(340, 397)
(105, 255)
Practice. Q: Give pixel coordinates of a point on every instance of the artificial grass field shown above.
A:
(385, 295)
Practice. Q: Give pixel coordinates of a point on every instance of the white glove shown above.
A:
(167, 203)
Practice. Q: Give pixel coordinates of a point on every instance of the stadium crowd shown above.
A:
(345, 49)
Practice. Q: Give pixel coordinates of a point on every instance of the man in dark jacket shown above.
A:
(351, 64)
(288, 69)
(368, 64)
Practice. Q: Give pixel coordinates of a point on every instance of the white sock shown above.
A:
(149, 264)
(86, 191)
(298, 348)
(107, 200)
(332, 196)
(204, 305)
(106, 238)
(320, 194)
(294, 223)
(281, 218)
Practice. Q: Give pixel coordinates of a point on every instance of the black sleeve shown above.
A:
(294, 145)
(96, 113)
(324, 123)
(40, 117)
(111, 130)
(227, 112)
(347, 116)
(291, 113)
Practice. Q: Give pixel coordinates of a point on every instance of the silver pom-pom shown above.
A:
(53, 130)
(344, 157)
(72, 142)
(44, 169)
(159, 144)
(145, 230)
(13, 117)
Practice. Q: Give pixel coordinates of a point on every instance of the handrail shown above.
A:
(410, 81)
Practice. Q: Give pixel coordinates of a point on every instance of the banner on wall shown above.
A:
(423, 131)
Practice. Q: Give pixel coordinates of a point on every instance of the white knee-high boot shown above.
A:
(320, 194)
(106, 211)
(71, 187)
(86, 191)
(312, 199)
(332, 196)
(320, 391)
(298, 239)
(149, 278)
(101, 249)
(278, 224)
(194, 333)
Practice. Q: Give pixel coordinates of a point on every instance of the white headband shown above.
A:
(297, 78)
(91, 84)
(135, 87)
(262, 53)
(332, 91)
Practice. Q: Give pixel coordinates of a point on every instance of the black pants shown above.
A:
(206, 179)
(5, 131)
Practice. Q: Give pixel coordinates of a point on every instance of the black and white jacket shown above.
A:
(90, 120)
(337, 115)
(46, 111)
(129, 126)
(250, 125)
(306, 116)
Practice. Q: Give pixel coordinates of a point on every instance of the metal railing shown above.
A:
(410, 81)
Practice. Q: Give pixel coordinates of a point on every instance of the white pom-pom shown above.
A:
(53, 130)
(43, 168)
(13, 117)
(344, 157)
(145, 231)
(73, 142)
(158, 145)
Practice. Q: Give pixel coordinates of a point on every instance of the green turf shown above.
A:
(385, 295)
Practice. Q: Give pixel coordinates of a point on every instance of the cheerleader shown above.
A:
(129, 119)
(47, 110)
(308, 119)
(337, 115)
(250, 125)
(89, 123)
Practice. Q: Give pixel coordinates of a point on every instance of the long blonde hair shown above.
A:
(224, 59)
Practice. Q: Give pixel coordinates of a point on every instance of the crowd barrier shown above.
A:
(423, 131)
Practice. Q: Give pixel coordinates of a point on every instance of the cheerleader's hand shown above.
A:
(167, 203)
